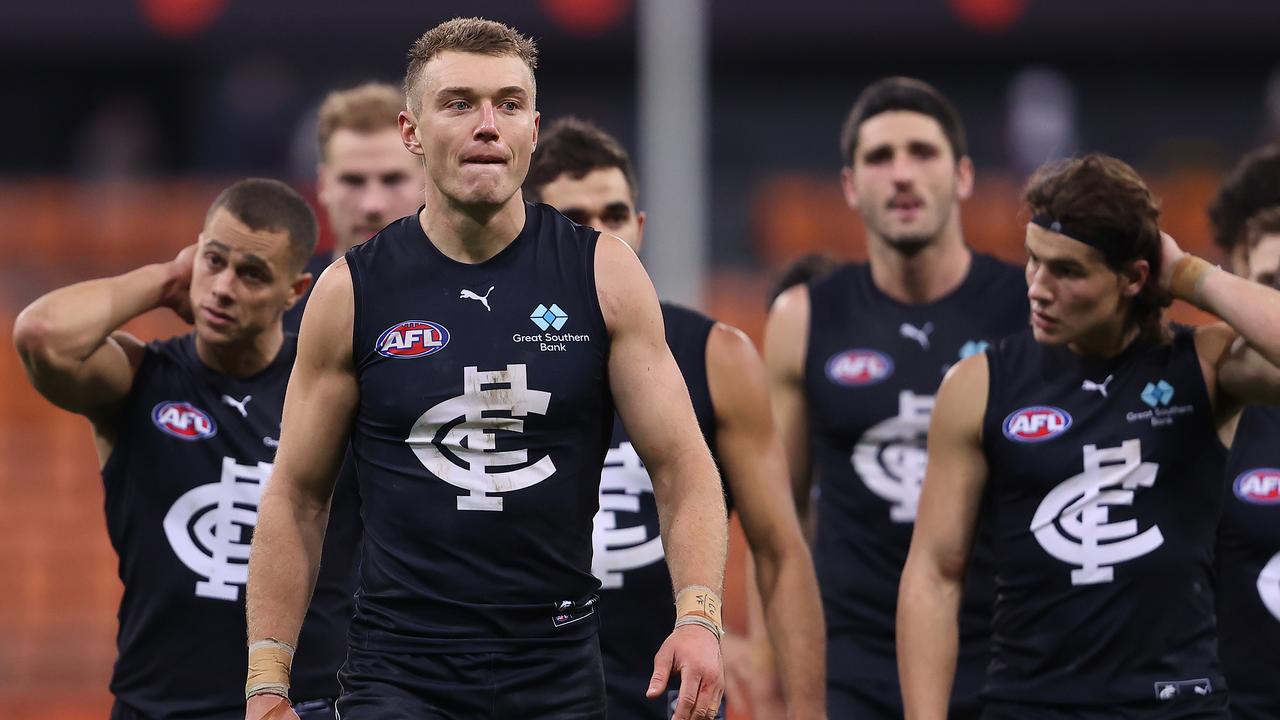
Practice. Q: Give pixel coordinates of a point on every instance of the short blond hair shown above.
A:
(368, 108)
(468, 35)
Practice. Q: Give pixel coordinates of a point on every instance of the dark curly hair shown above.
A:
(1251, 186)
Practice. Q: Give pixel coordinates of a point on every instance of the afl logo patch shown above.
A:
(183, 420)
(412, 339)
(858, 368)
(1260, 486)
(1036, 424)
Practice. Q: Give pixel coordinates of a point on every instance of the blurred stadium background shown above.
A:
(123, 119)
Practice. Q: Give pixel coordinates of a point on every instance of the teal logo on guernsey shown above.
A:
(412, 339)
(1036, 423)
(550, 320)
(1158, 396)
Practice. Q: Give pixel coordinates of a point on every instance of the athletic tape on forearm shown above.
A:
(1188, 276)
(699, 605)
(269, 663)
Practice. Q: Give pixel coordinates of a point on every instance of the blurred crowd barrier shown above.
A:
(60, 591)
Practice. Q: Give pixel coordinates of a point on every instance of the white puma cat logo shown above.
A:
(919, 334)
(1090, 386)
(484, 300)
(238, 404)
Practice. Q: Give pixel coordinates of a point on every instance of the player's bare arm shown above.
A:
(654, 404)
(933, 579)
(294, 509)
(1241, 356)
(71, 347)
(756, 471)
(786, 340)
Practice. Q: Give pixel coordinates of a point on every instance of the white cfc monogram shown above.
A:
(615, 550)
(1073, 522)
(1269, 586)
(209, 528)
(465, 452)
(891, 456)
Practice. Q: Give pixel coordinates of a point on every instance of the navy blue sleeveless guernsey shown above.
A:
(193, 451)
(1106, 481)
(482, 425)
(871, 371)
(1249, 567)
(635, 584)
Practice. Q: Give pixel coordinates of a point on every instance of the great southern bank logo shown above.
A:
(1157, 394)
(549, 318)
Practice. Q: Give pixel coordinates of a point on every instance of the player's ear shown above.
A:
(537, 123)
(846, 184)
(964, 178)
(409, 132)
(1133, 277)
(298, 288)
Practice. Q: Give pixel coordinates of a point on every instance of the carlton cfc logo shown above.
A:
(1260, 486)
(412, 339)
(856, 368)
(1036, 424)
(183, 420)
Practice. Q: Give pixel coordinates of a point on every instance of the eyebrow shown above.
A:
(514, 90)
(247, 257)
(618, 206)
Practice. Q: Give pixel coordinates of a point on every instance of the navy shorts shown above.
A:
(627, 699)
(561, 681)
(306, 710)
(1209, 707)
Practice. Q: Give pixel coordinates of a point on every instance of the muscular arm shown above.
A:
(933, 579)
(756, 471)
(69, 343)
(1243, 352)
(294, 509)
(653, 402)
(786, 341)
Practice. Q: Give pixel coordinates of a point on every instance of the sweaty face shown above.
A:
(477, 127)
(904, 180)
(1074, 296)
(600, 199)
(242, 280)
(366, 181)
(1264, 261)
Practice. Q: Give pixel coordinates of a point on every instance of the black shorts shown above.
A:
(306, 710)
(1210, 707)
(882, 701)
(865, 685)
(627, 699)
(560, 681)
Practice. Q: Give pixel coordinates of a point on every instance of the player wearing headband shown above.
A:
(1098, 436)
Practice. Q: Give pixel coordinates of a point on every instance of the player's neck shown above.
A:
(242, 359)
(1106, 342)
(930, 274)
(472, 234)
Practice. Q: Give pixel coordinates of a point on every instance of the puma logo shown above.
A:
(1101, 388)
(483, 299)
(919, 334)
(238, 404)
